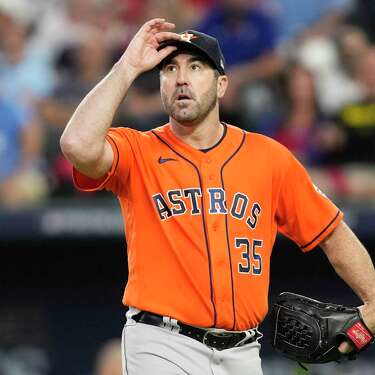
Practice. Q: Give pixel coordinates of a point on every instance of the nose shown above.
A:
(182, 77)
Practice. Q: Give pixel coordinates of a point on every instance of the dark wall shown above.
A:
(74, 289)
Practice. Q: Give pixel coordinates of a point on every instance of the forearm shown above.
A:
(352, 262)
(84, 137)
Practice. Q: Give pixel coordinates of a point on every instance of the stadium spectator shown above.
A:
(25, 72)
(334, 86)
(352, 172)
(21, 179)
(247, 36)
(63, 24)
(83, 66)
(357, 120)
(305, 31)
(362, 15)
(303, 128)
(79, 68)
(20, 10)
(352, 43)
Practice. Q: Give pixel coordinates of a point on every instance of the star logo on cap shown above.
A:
(187, 37)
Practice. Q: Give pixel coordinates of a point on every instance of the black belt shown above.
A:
(217, 340)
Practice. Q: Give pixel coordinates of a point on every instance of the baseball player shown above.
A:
(202, 203)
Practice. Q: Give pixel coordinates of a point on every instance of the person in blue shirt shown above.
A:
(20, 153)
(247, 36)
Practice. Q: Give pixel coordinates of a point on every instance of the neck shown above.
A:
(202, 135)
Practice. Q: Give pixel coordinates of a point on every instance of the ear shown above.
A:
(222, 84)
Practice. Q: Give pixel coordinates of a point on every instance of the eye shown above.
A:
(195, 66)
(170, 68)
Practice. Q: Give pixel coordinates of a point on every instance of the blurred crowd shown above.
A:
(302, 72)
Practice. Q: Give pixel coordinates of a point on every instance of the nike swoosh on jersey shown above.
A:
(164, 160)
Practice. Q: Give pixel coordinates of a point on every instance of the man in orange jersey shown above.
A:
(202, 203)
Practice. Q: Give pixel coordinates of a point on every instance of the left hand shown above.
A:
(368, 316)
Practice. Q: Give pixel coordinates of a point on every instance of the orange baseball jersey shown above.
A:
(200, 226)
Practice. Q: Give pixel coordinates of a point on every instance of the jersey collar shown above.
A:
(219, 153)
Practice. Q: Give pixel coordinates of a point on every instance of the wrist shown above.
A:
(127, 69)
(368, 315)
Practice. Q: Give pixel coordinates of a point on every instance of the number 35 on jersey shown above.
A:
(173, 203)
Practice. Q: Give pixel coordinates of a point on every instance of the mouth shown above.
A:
(183, 97)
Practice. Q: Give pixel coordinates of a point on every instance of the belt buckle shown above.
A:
(248, 335)
(216, 340)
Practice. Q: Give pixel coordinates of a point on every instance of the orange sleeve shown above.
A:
(115, 179)
(304, 213)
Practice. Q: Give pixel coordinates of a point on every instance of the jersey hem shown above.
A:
(324, 233)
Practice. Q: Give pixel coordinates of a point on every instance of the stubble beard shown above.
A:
(193, 112)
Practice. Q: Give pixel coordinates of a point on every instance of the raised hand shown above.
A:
(142, 54)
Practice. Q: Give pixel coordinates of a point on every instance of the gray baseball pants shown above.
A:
(150, 350)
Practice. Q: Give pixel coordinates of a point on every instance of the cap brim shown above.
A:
(185, 46)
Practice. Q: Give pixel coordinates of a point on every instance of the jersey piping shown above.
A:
(118, 153)
(322, 231)
(226, 227)
(219, 141)
(203, 223)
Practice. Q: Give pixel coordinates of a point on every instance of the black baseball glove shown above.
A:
(310, 331)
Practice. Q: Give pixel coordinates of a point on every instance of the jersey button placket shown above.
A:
(207, 170)
(215, 221)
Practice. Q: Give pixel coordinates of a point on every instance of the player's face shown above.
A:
(188, 88)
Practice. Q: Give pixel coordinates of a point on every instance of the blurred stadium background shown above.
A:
(301, 71)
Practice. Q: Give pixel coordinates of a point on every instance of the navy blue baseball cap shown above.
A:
(204, 45)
